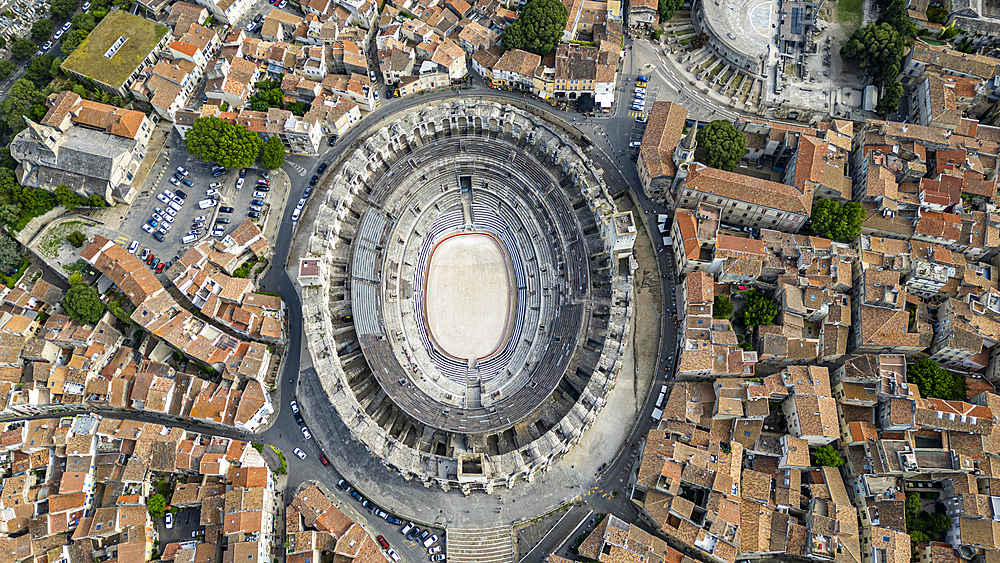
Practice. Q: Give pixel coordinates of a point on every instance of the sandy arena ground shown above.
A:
(467, 295)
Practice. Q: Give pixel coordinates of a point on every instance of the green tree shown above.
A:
(66, 197)
(722, 307)
(96, 201)
(9, 214)
(10, 254)
(667, 8)
(42, 29)
(77, 238)
(758, 310)
(3, 42)
(215, 140)
(272, 154)
(298, 108)
(61, 9)
(538, 29)
(269, 98)
(934, 381)
(839, 222)
(22, 48)
(83, 21)
(937, 14)
(83, 304)
(40, 70)
(879, 48)
(156, 504)
(6, 68)
(75, 278)
(20, 98)
(912, 505)
(827, 456)
(889, 102)
(895, 14)
(72, 40)
(918, 536)
(722, 145)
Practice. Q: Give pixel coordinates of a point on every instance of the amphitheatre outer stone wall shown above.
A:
(584, 277)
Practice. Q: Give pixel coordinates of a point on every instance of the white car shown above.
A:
(212, 193)
(169, 218)
(295, 406)
(170, 211)
(239, 183)
(86, 6)
(218, 232)
(165, 226)
(133, 247)
(259, 195)
(182, 171)
(57, 35)
(295, 215)
(162, 198)
(158, 217)
(174, 181)
(200, 219)
(168, 193)
(215, 185)
(66, 26)
(146, 227)
(306, 433)
(170, 520)
(250, 26)
(300, 453)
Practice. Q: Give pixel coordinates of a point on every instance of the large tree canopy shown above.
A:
(835, 221)
(215, 140)
(722, 145)
(61, 9)
(272, 155)
(759, 309)
(879, 48)
(934, 381)
(22, 48)
(83, 304)
(539, 28)
(667, 8)
(42, 29)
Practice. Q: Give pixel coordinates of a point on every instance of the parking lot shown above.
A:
(187, 523)
(200, 174)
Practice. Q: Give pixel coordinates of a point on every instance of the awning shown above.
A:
(604, 99)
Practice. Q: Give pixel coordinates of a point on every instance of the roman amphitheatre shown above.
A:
(467, 293)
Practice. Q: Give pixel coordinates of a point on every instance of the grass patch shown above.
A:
(849, 12)
(258, 447)
(56, 237)
(284, 466)
(715, 71)
(89, 60)
(686, 41)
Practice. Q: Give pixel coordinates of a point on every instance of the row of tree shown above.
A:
(538, 29)
(232, 145)
(880, 47)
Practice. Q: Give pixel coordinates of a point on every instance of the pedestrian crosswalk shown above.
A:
(123, 239)
(635, 113)
(300, 169)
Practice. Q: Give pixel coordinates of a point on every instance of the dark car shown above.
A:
(412, 533)
(181, 194)
(264, 175)
(313, 180)
(306, 193)
(179, 176)
(332, 141)
(394, 520)
(156, 262)
(343, 485)
(258, 17)
(369, 505)
(257, 202)
(253, 214)
(225, 209)
(321, 168)
(323, 460)
(187, 183)
(357, 496)
(222, 221)
(243, 171)
(158, 237)
(423, 535)
(263, 188)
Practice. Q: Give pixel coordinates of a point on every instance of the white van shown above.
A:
(661, 218)
(175, 206)
(188, 239)
(206, 203)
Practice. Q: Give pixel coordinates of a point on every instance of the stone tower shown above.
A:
(684, 155)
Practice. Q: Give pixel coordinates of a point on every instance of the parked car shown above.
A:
(239, 183)
(175, 181)
(147, 228)
(133, 247)
(150, 258)
(159, 268)
(393, 555)
(305, 432)
(393, 520)
(181, 194)
(438, 557)
(162, 198)
(257, 208)
(257, 201)
(158, 237)
(433, 550)
(226, 209)
(430, 541)
(406, 528)
(257, 194)
(169, 519)
(295, 406)
(200, 219)
(321, 168)
(253, 214)
(212, 193)
(187, 183)
(343, 485)
(243, 171)
(380, 513)
(86, 6)
(298, 417)
(323, 460)
(381, 539)
(300, 453)
(313, 180)
(357, 496)
(145, 254)
(423, 535)
(264, 175)
(153, 222)
(182, 171)
(413, 533)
